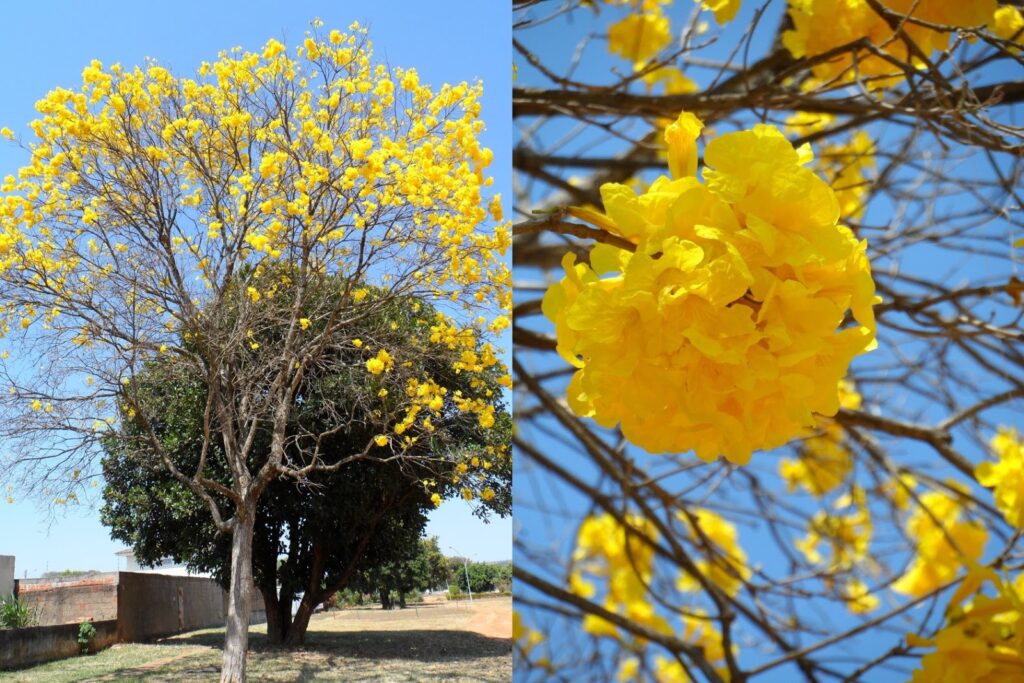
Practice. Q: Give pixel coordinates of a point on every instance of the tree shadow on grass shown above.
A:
(418, 645)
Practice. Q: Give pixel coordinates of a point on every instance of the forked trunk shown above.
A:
(236, 640)
(297, 632)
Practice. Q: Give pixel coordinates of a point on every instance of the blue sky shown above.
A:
(46, 44)
(548, 512)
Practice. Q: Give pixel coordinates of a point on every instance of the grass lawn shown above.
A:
(437, 642)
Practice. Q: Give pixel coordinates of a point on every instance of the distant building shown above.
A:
(166, 566)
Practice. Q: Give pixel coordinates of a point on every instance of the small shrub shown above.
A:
(454, 592)
(86, 633)
(14, 613)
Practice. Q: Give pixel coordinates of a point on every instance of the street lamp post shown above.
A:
(465, 566)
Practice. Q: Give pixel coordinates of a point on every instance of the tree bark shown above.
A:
(385, 602)
(277, 627)
(236, 640)
(401, 599)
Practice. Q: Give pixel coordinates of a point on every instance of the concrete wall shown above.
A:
(155, 605)
(6, 575)
(23, 647)
(71, 601)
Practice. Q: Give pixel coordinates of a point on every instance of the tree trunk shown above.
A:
(401, 598)
(275, 620)
(297, 631)
(236, 640)
(384, 601)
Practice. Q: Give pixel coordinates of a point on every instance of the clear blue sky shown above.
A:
(45, 44)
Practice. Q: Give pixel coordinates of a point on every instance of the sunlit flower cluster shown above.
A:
(822, 25)
(982, 641)
(945, 543)
(726, 563)
(640, 36)
(1006, 477)
(620, 559)
(722, 330)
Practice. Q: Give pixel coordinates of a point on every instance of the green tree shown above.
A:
(310, 537)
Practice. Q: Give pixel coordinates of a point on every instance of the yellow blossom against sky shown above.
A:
(725, 316)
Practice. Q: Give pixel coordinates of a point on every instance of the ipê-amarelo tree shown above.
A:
(147, 195)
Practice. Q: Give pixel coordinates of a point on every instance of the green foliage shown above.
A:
(86, 633)
(15, 613)
(485, 577)
(454, 592)
(370, 512)
(350, 598)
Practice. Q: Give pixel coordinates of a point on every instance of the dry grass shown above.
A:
(437, 642)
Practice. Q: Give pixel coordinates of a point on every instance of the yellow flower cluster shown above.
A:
(821, 25)
(716, 538)
(1006, 477)
(720, 331)
(697, 629)
(983, 641)
(945, 544)
(623, 558)
(848, 535)
(640, 36)
(1008, 24)
(824, 459)
(525, 641)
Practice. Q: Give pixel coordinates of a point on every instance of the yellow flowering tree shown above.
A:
(200, 219)
(767, 327)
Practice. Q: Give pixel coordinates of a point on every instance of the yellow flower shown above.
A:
(639, 37)
(304, 323)
(944, 544)
(681, 138)
(382, 362)
(858, 599)
(725, 10)
(435, 499)
(6, 133)
(716, 538)
(37, 404)
(253, 293)
(1006, 23)
(358, 343)
(380, 440)
(1006, 477)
